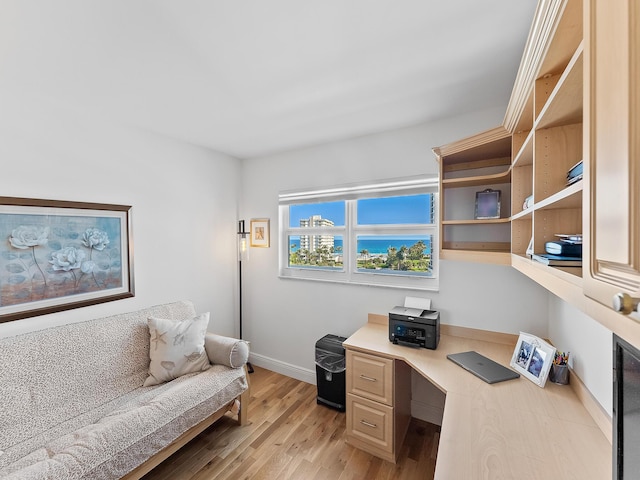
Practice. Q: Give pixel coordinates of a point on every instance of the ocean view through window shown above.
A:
(372, 237)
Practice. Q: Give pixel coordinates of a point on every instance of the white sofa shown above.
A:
(73, 405)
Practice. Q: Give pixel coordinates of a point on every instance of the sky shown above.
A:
(409, 209)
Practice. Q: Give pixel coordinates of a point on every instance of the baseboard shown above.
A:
(283, 368)
(428, 413)
(599, 415)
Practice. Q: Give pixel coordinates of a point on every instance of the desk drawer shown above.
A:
(370, 376)
(370, 422)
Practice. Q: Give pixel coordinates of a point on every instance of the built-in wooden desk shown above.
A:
(508, 430)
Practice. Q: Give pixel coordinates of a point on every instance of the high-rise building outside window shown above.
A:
(315, 242)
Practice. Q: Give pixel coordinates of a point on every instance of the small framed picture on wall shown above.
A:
(260, 232)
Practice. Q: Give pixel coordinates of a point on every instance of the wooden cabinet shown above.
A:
(466, 167)
(527, 158)
(576, 97)
(547, 142)
(378, 403)
(613, 132)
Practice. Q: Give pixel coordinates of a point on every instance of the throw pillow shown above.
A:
(227, 351)
(176, 348)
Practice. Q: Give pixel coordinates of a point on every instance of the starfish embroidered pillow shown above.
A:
(176, 348)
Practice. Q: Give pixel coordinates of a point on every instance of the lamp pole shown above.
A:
(242, 251)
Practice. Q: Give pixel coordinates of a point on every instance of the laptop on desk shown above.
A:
(483, 367)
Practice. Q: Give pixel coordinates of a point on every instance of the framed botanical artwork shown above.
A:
(58, 255)
(259, 232)
(532, 358)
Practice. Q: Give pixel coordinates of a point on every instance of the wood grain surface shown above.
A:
(289, 436)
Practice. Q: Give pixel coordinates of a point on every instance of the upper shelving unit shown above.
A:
(468, 167)
(527, 159)
(548, 143)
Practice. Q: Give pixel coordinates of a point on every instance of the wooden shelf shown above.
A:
(564, 278)
(476, 181)
(570, 197)
(476, 222)
(476, 164)
(481, 256)
(479, 246)
(564, 105)
(523, 215)
(525, 153)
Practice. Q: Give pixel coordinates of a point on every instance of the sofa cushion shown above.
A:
(51, 378)
(176, 348)
(227, 351)
(114, 439)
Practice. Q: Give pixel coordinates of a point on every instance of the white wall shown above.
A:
(184, 202)
(284, 318)
(590, 346)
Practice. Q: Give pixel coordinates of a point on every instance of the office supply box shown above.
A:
(414, 327)
(564, 248)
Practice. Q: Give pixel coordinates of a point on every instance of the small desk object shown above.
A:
(512, 429)
(414, 327)
(483, 367)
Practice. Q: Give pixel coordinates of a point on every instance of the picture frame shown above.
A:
(259, 232)
(487, 204)
(58, 255)
(532, 358)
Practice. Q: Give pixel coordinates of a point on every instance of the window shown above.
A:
(383, 234)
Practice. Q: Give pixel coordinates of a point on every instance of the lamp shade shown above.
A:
(243, 242)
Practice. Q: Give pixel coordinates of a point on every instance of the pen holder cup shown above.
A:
(559, 374)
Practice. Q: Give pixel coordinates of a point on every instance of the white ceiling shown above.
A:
(253, 77)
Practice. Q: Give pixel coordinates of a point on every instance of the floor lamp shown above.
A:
(243, 254)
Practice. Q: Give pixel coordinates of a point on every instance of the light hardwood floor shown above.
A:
(289, 436)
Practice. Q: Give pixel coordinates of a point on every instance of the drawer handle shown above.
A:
(368, 379)
(367, 424)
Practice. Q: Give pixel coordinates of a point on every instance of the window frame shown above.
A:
(349, 273)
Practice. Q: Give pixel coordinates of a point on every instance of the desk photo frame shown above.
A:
(532, 358)
(487, 204)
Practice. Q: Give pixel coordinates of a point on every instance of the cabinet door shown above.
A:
(370, 376)
(612, 144)
(370, 422)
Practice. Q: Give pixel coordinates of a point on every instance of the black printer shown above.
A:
(414, 327)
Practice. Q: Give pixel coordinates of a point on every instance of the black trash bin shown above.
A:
(331, 372)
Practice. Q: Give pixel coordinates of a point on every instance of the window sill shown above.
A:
(366, 280)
